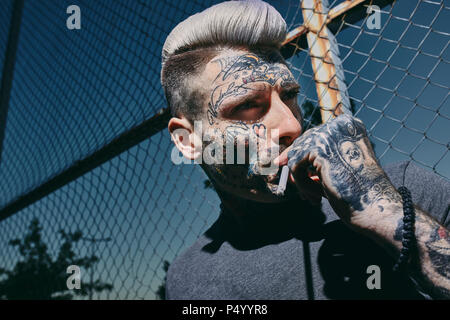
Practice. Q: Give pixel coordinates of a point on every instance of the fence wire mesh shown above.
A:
(74, 92)
(396, 79)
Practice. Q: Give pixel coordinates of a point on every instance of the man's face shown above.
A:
(251, 104)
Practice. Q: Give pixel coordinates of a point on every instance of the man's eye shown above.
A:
(242, 107)
(248, 111)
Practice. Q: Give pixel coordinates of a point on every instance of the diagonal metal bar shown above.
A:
(116, 147)
(350, 10)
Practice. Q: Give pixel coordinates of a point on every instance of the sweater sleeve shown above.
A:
(429, 191)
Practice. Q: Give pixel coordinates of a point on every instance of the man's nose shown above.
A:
(289, 127)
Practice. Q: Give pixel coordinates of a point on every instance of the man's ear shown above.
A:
(183, 135)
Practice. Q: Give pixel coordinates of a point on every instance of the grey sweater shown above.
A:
(318, 258)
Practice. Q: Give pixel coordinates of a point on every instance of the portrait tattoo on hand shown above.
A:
(343, 148)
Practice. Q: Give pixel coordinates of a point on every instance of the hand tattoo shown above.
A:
(342, 148)
(351, 175)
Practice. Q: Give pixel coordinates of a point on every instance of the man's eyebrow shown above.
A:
(252, 93)
(290, 86)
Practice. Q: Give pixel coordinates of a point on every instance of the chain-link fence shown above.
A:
(85, 146)
(396, 78)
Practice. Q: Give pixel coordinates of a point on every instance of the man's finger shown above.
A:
(309, 188)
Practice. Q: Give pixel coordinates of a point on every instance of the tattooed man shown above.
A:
(321, 239)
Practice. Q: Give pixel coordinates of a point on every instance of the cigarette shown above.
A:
(283, 180)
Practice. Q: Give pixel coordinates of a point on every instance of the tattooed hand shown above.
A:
(362, 195)
(342, 156)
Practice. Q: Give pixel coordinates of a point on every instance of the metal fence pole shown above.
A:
(93, 241)
(328, 75)
(8, 67)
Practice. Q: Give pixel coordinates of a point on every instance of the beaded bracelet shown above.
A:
(408, 238)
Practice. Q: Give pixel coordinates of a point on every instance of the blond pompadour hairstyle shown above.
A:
(189, 46)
